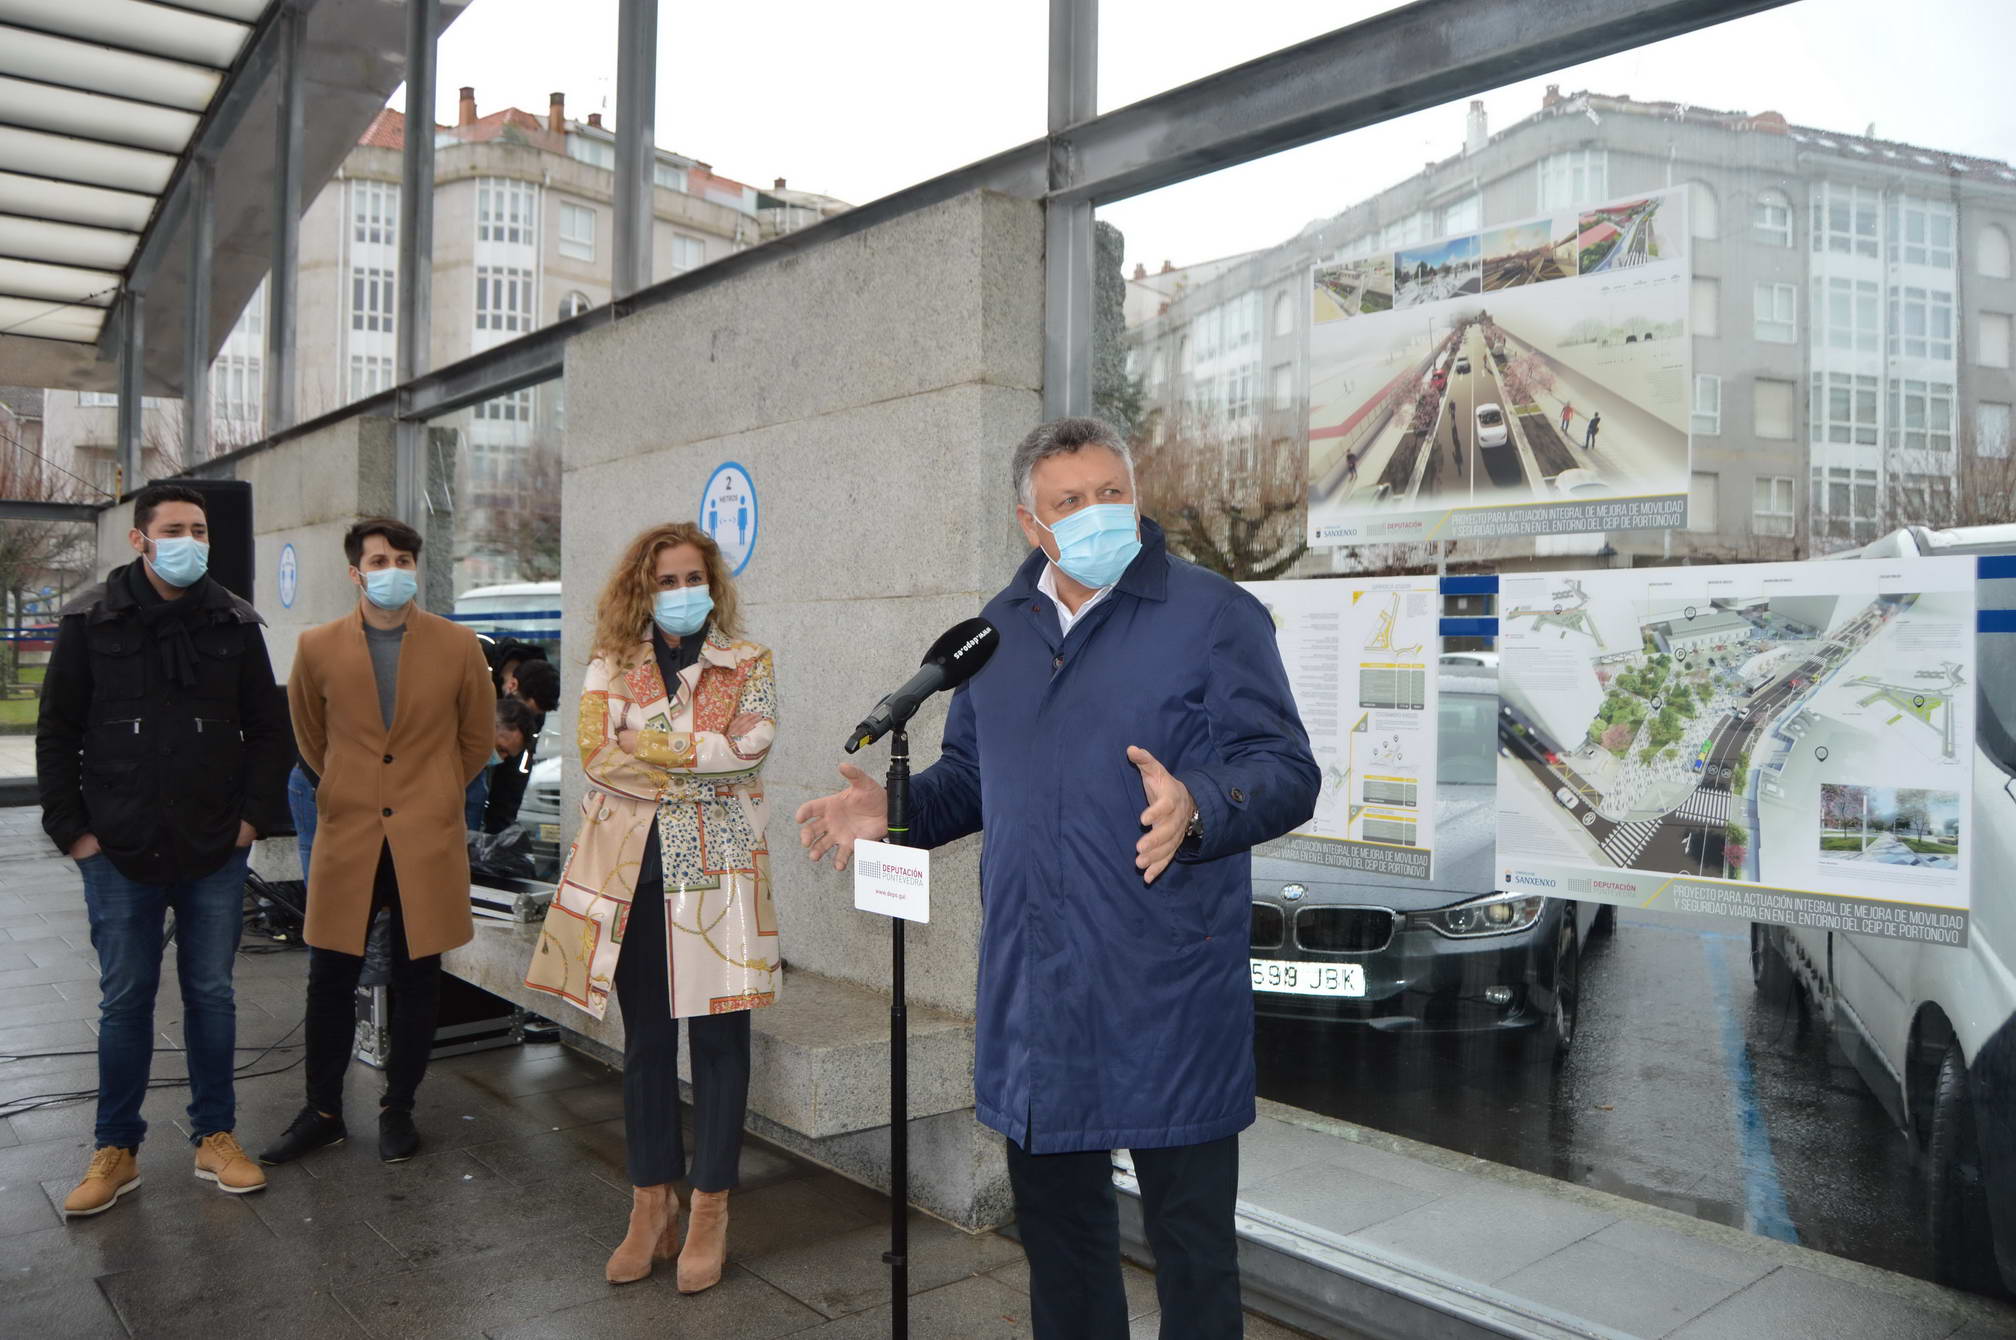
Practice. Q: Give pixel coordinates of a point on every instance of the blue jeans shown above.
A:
(475, 800)
(301, 803)
(127, 925)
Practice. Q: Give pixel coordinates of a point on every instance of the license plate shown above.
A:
(1308, 979)
(549, 832)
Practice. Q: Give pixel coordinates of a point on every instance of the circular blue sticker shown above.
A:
(728, 513)
(289, 576)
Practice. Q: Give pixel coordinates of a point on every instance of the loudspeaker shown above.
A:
(227, 504)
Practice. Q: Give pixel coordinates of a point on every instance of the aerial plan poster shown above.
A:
(1780, 742)
(1524, 379)
(1361, 656)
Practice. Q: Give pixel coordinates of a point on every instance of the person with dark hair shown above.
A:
(534, 683)
(160, 754)
(1131, 741)
(394, 713)
(517, 723)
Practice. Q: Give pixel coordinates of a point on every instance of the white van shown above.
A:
(1931, 1029)
(524, 611)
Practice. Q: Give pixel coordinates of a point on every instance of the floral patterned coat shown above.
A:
(703, 790)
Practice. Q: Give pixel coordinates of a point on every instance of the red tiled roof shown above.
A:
(386, 131)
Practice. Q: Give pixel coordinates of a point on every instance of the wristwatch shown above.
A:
(1195, 832)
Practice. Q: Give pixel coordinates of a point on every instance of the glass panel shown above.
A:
(139, 26)
(71, 203)
(81, 161)
(35, 55)
(73, 112)
(1148, 46)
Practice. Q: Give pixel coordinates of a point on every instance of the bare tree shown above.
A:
(37, 555)
(526, 531)
(1230, 499)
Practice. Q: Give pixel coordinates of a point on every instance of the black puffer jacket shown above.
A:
(160, 772)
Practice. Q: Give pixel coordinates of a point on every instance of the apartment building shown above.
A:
(1851, 312)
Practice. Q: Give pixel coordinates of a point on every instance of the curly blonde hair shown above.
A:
(623, 611)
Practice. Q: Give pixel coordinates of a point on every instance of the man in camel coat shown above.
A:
(394, 712)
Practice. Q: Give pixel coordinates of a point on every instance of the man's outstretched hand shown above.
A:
(834, 823)
(1166, 818)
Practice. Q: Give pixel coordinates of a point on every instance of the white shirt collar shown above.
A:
(1047, 584)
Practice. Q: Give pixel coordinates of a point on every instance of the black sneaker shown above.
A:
(311, 1131)
(397, 1138)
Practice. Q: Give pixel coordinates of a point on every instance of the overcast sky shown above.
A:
(857, 101)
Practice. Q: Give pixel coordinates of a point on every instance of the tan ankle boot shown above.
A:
(706, 1249)
(653, 1235)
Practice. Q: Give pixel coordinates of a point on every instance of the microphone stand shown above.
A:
(898, 1255)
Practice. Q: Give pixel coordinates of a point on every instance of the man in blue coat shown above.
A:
(1131, 740)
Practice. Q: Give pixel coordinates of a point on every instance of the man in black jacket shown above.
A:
(161, 753)
(532, 680)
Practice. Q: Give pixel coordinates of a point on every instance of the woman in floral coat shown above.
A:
(666, 892)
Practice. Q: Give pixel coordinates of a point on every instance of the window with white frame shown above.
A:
(1772, 404)
(374, 213)
(1771, 217)
(574, 304)
(1849, 309)
(506, 211)
(1705, 307)
(1921, 232)
(1844, 409)
(1776, 317)
(97, 400)
(237, 389)
(515, 407)
(1465, 215)
(503, 298)
(1239, 389)
(592, 150)
(1925, 500)
(1771, 506)
(1704, 211)
(1844, 503)
(1707, 404)
(1991, 349)
(1991, 251)
(1991, 430)
(1284, 314)
(1921, 415)
(1284, 385)
(1702, 510)
(577, 231)
(1574, 178)
(688, 253)
(369, 374)
(373, 291)
(669, 175)
(1845, 219)
(1209, 329)
(1158, 368)
(1921, 323)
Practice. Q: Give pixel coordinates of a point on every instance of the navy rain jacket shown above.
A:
(1115, 1014)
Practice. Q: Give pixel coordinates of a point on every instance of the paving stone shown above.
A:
(524, 1073)
(1467, 1234)
(1595, 1281)
(594, 1150)
(212, 1297)
(740, 1307)
(451, 1221)
(468, 1295)
(24, 1208)
(70, 1308)
(844, 1275)
(148, 1228)
(1335, 1197)
(1795, 1304)
(972, 1309)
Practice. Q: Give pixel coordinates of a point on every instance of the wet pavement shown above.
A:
(1683, 1090)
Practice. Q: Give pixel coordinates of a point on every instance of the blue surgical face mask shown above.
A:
(390, 588)
(681, 611)
(180, 560)
(1095, 544)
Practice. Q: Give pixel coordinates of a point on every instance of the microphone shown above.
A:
(954, 658)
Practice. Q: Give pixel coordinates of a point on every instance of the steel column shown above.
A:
(415, 323)
(636, 147)
(1067, 225)
(202, 219)
(132, 380)
(283, 283)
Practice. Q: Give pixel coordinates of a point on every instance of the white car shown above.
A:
(1491, 430)
(1580, 483)
(1932, 1029)
(1566, 797)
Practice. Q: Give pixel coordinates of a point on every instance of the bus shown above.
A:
(521, 611)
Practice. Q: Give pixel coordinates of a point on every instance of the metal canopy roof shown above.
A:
(99, 99)
(102, 104)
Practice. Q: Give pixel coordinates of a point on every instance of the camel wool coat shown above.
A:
(404, 786)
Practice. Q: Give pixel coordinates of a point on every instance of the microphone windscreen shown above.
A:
(962, 649)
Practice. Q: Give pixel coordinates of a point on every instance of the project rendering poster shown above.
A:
(1780, 742)
(1361, 656)
(1529, 379)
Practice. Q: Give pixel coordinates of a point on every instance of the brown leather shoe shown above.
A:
(706, 1250)
(113, 1172)
(221, 1159)
(653, 1235)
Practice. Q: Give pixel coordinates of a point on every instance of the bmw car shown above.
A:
(1449, 954)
